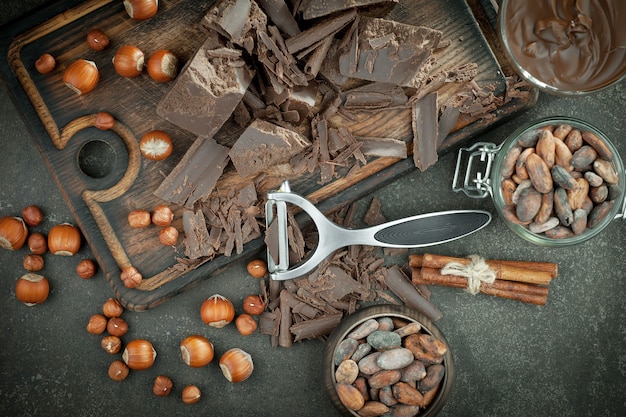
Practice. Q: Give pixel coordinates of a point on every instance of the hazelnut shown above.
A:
(33, 262)
(97, 324)
(168, 236)
(37, 243)
(81, 76)
(97, 40)
(162, 215)
(32, 216)
(162, 386)
(104, 121)
(118, 370)
(128, 61)
(112, 308)
(191, 394)
(86, 268)
(45, 64)
(253, 305)
(139, 218)
(117, 326)
(131, 277)
(257, 268)
(111, 344)
(245, 323)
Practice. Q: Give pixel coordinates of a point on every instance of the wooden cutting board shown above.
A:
(101, 173)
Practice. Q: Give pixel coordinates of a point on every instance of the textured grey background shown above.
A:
(567, 358)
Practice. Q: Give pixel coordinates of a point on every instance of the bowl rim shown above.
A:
(350, 322)
(537, 124)
(526, 75)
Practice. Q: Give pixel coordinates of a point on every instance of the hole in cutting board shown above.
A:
(96, 159)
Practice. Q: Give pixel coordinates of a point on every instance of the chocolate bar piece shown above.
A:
(425, 131)
(194, 177)
(237, 20)
(208, 88)
(390, 52)
(280, 14)
(263, 145)
(315, 8)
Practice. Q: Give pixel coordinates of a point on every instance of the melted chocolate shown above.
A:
(570, 45)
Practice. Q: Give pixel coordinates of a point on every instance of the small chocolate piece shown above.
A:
(194, 177)
(263, 145)
(391, 52)
(425, 131)
(197, 243)
(319, 32)
(237, 20)
(387, 147)
(315, 8)
(280, 14)
(208, 89)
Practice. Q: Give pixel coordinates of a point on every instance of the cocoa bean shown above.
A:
(508, 187)
(606, 170)
(562, 208)
(368, 364)
(347, 372)
(579, 225)
(414, 372)
(385, 396)
(406, 394)
(403, 410)
(598, 144)
(350, 396)
(576, 196)
(361, 384)
(561, 131)
(508, 212)
(563, 156)
(574, 140)
(345, 350)
(539, 173)
(361, 351)
(373, 394)
(431, 344)
(395, 358)
(529, 139)
(409, 329)
(551, 223)
(385, 324)
(364, 329)
(562, 177)
(508, 164)
(429, 396)
(584, 157)
(520, 187)
(593, 179)
(520, 166)
(434, 375)
(545, 210)
(383, 340)
(373, 409)
(384, 378)
(528, 204)
(599, 194)
(598, 213)
(545, 148)
(559, 232)
(614, 191)
(428, 357)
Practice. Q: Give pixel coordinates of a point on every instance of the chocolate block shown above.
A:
(390, 52)
(208, 88)
(315, 8)
(425, 131)
(237, 20)
(263, 145)
(194, 177)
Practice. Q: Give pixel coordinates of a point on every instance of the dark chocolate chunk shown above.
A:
(263, 145)
(425, 131)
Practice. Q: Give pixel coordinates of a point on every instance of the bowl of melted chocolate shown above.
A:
(566, 47)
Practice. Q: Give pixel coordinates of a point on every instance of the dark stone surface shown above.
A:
(567, 358)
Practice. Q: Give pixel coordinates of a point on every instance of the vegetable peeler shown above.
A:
(411, 232)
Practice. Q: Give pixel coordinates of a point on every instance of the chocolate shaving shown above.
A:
(425, 131)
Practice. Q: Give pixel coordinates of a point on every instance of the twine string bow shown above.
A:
(476, 272)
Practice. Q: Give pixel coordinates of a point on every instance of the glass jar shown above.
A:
(378, 312)
(565, 47)
(479, 174)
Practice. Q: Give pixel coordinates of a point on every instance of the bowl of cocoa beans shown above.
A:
(558, 181)
(388, 360)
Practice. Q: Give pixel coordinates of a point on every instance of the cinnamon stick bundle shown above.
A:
(527, 293)
(516, 280)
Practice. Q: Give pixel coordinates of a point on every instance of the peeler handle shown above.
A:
(426, 229)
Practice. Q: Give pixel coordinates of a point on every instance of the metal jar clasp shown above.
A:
(477, 161)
